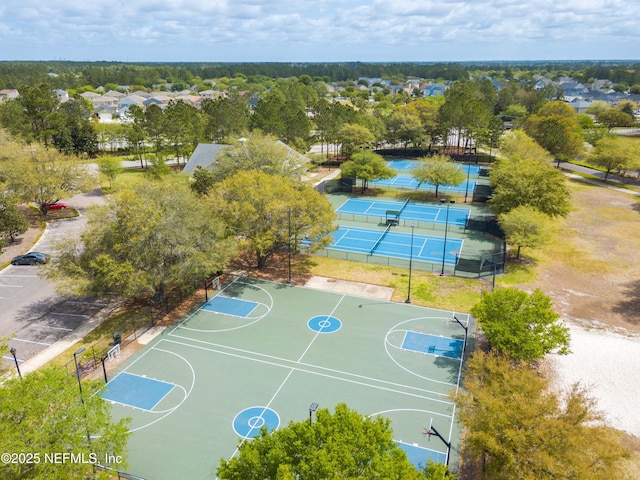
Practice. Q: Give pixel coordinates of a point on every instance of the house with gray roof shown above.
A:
(203, 156)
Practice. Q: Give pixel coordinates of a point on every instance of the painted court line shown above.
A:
(319, 331)
(327, 375)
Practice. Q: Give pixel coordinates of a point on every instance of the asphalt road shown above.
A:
(32, 315)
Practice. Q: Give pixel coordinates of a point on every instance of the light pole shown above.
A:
(75, 360)
(15, 359)
(289, 249)
(408, 300)
(312, 408)
(446, 226)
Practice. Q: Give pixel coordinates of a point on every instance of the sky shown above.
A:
(319, 30)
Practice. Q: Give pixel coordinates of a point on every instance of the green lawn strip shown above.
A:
(427, 289)
(123, 322)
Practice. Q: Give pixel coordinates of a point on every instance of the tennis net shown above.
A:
(386, 230)
(404, 205)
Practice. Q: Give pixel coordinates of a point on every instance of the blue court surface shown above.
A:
(230, 306)
(405, 166)
(433, 344)
(411, 211)
(398, 245)
(408, 182)
(419, 456)
(136, 391)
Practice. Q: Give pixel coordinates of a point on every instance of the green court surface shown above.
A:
(263, 352)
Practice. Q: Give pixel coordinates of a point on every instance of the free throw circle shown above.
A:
(324, 324)
(248, 422)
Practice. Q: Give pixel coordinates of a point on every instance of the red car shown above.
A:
(55, 206)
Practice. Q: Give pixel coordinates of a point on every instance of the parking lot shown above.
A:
(32, 315)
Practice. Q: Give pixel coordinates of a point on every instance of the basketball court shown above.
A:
(259, 354)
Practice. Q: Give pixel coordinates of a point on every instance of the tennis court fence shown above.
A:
(468, 266)
(488, 225)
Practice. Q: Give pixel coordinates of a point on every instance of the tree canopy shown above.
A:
(613, 153)
(555, 127)
(438, 170)
(42, 176)
(257, 151)
(42, 413)
(343, 444)
(366, 166)
(146, 242)
(520, 429)
(271, 212)
(524, 226)
(523, 175)
(522, 326)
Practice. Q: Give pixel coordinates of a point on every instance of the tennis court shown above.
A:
(408, 211)
(408, 165)
(397, 244)
(404, 180)
(260, 353)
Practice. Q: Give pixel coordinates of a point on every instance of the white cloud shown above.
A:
(329, 30)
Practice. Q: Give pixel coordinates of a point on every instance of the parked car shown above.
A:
(31, 258)
(55, 206)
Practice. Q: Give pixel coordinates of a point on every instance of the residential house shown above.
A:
(203, 156)
(62, 95)
(8, 94)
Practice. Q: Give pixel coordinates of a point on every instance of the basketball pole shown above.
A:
(435, 432)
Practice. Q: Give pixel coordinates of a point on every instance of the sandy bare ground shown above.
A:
(596, 289)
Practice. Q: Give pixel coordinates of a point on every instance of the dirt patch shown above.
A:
(595, 280)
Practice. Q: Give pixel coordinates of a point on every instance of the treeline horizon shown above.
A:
(72, 74)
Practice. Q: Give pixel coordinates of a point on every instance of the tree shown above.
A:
(521, 325)
(203, 180)
(558, 134)
(354, 137)
(525, 226)
(613, 153)
(135, 133)
(74, 133)
(613, 117)
(283, 116)
(110, 167)
(367, 166)
(225, 117)
(519, 428)
(523, 175)
(42, 414)
(12, 221)
(272, 212)
(438, 170)
(340, 445)
(43, 176)
(187, 127)
(39, 105)
(426, 109)
(145, 244)
(261, 152)
(405, 127)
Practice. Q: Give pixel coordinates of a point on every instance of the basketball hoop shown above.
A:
(427, 431)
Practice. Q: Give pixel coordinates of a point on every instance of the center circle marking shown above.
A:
(324, 324)
(248, 422)
(256, 422)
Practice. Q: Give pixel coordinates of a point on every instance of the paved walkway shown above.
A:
(351, 288)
